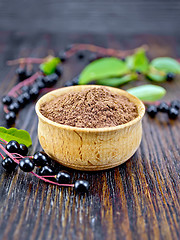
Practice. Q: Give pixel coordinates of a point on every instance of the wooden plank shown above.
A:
(103, 16)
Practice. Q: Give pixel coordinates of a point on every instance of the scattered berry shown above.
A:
(21, 72)
(14, 107)
(152, 111)
(39, 78)
(80, 54)
(68, 47)
(173, 113)
(40, 82)
(25, 88)
(34, 92)
(29, 73)
(40, 159)
(26, 164)
(175, 104)
(59, 71)
(9, 164)
(7, 100)
(21, 100)
(46, 170)
(81, 186)
(26, 96)
(23, 150)
(170, 76)
(163, 107)
(63, 177)
(12, 147)
(75, 80)
(51, 79)
(62, 56)
(68, 84)
(40, 85)
(10, 118)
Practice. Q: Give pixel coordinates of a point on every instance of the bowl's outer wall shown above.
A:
(89, 150)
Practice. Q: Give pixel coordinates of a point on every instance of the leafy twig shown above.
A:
(104, 51)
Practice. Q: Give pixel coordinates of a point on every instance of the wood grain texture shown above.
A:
(137, 200)
(102, 16)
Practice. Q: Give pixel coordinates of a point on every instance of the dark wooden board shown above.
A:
(137, 200)
(102, 16)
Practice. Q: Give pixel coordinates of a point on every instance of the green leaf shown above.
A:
(157, 77)
(138, 61)
(103, 68)
(166, 64)
(148, 92)
(49, 67)
(130, 62)
(21, 136)
(115, 82)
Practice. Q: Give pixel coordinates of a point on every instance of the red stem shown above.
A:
(46, 180)
(19, 155)
(2, 156)
(25, 60)
(53, 176)
(6, 109)
(101, 50)
(3, 140)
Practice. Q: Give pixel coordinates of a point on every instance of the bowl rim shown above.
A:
(141, 109)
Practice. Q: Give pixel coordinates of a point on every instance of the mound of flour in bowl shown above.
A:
(96, 107)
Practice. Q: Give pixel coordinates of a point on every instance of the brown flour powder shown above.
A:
(90, 108)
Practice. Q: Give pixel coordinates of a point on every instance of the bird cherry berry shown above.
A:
(46, 170)
(63, 177)
(81, 186)
(9, 164)
(23, 150)
(13, 147)
(26, 164)
(7, 100)
(40, 159)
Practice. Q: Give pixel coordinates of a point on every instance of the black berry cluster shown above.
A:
(73, 82)
(28, 93)
(171, 109)
(42, 162)
(24, 73)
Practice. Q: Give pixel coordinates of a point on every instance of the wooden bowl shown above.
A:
(89, 149)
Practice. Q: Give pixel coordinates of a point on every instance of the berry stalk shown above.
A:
(2, 156)
(104, 51)
(26, 61)
(46, 180)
